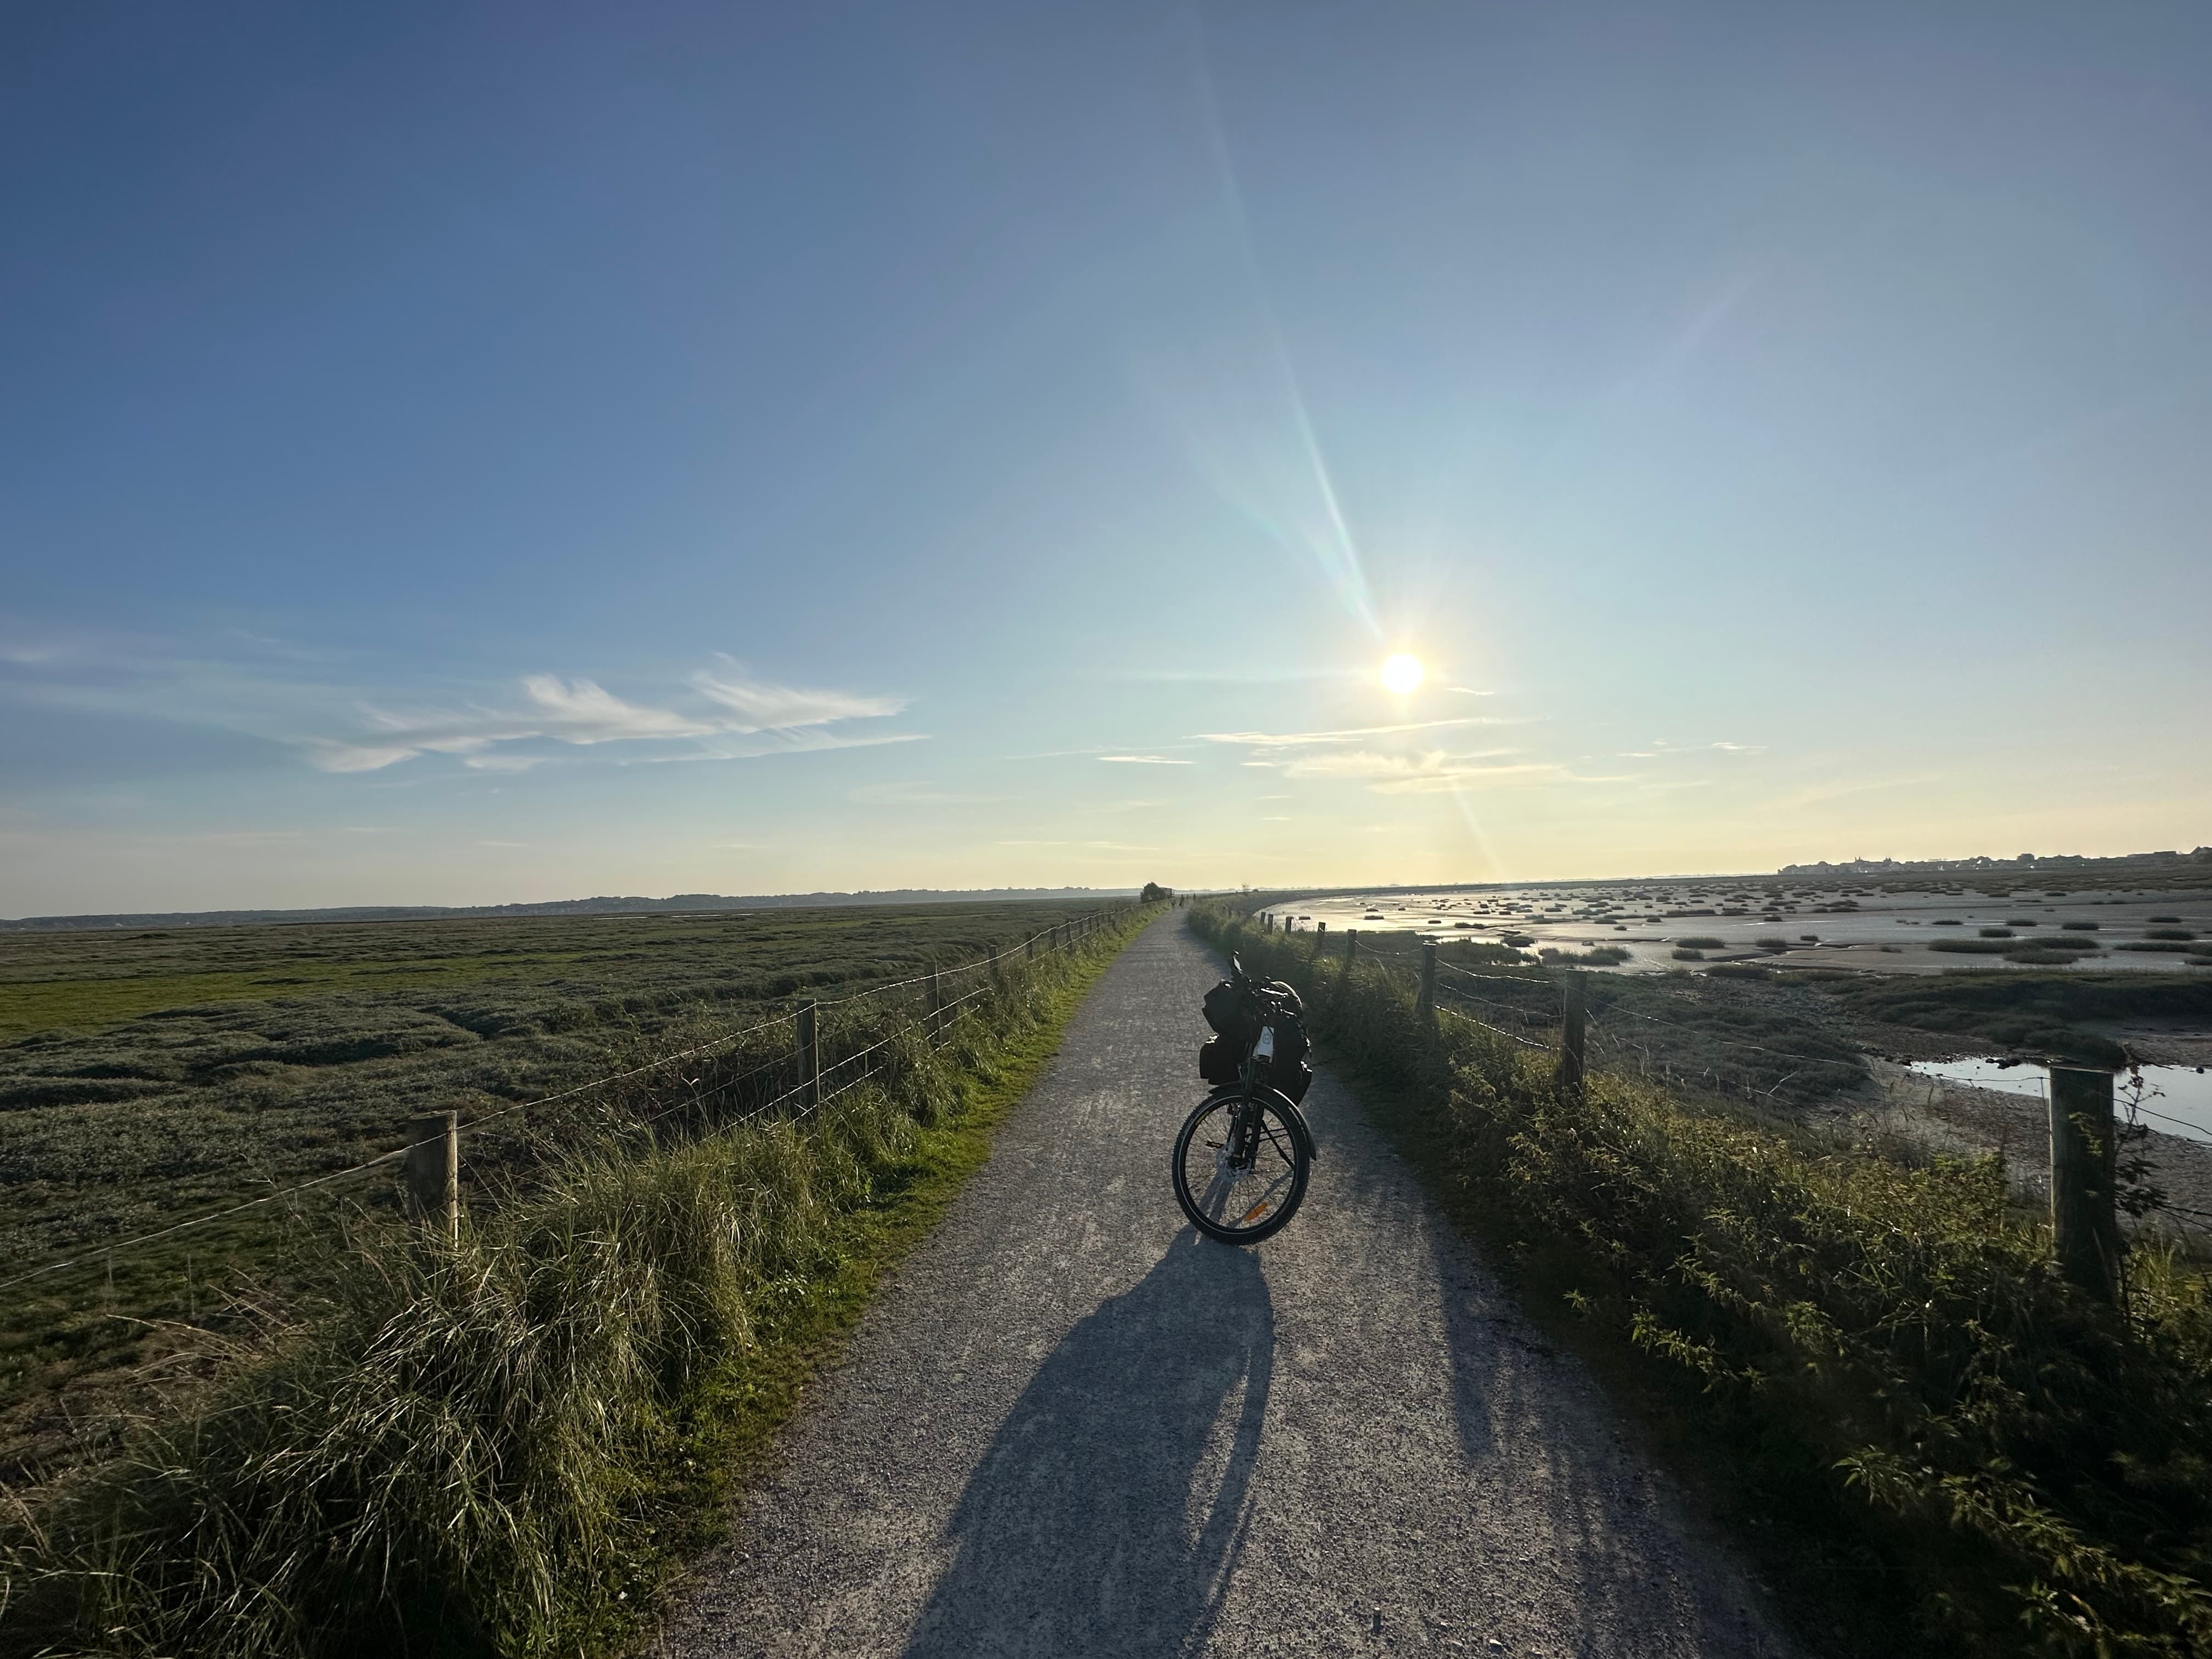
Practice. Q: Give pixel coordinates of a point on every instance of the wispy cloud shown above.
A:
(1435, 771)
(1144, 760)
(1350, 734)
(762, 706)
(1403, 775)
(747, 718)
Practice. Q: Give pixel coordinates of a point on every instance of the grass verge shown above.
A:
(506, 1446)
(1933, 1441)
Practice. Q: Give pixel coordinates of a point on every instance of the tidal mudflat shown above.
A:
(1656, 925)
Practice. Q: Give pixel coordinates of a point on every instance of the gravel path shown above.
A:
(1071, 1426)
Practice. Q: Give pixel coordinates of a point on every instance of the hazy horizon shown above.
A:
(463, 457)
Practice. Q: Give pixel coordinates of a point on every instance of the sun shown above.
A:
(1403, 674)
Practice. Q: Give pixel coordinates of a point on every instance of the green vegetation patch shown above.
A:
(1702, 942)
(1601, 956)
(2040, 1013)
(324, 1040)
(1938, 1444)
(504, 1446)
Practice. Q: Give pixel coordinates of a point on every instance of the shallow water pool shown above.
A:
(2176, 1099)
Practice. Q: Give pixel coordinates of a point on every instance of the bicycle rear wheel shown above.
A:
(1239, 1169)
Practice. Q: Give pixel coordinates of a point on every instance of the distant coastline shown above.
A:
(584, 907)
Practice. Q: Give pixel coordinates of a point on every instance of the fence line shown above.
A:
(1080, 928)
(1500, 1031)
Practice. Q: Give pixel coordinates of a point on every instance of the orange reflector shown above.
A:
(1254, 1211)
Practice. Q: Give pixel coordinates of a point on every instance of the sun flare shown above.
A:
(1402, 674)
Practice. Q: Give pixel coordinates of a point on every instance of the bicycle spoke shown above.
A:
(1264, 1204)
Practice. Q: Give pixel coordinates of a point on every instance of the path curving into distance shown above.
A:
(1069, 1426)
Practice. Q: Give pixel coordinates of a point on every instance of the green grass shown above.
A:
(1602, 955)
(506, 1447)
(1702, 942)
(133, 1099)
(1870, 1366)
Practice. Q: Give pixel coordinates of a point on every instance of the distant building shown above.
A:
(2024, 861)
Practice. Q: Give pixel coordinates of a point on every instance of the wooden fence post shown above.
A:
(431, 1170)
(2084, 1230)
(936, 999)
(810, 1053)
(1424, 1004)
(1028, 948)
(1573, 1029)
(1351, 949)
(993, 959)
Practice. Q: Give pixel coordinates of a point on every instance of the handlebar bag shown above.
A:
(1231, 1012)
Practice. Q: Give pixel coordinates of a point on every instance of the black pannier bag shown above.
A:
(1286, 1078)
(1232, 1013)
(1218, 1061)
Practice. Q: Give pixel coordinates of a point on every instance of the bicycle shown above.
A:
(1244, 1155)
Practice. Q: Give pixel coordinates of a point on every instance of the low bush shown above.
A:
(2168, 945)
(2168, 932)
(1983, 947)
(1947, 921)
(1702, 942)
(2080, 926)
(1996, 932)
(1601, 956)
(1882, 1348)
(1687, 954)
(2021, 921)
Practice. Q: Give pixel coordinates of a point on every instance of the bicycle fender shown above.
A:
(1297, 1120)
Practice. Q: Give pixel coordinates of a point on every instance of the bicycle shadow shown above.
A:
(1110, 1508)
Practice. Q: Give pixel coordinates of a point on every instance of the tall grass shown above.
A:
(1884, 1350)
(470, 1448)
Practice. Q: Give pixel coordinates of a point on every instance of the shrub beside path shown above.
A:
(1071, 1426)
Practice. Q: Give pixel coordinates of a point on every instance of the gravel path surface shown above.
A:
(1071, 1426)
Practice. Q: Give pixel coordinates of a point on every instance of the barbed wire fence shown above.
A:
(1548, 1011)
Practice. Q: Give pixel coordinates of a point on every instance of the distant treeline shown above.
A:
(588, 907)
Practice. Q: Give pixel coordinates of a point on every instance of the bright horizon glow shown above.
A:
(655, 452)
(1402, 675)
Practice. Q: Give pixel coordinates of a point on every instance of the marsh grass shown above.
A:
(502, 1447)
(1601, 956)
(137, 1101)
(1939, 1443)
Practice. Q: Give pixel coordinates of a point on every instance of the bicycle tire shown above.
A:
(1282, 1165)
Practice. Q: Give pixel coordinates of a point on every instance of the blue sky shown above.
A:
(461, 454)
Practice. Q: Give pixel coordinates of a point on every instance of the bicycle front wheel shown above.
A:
(1239, 1169)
